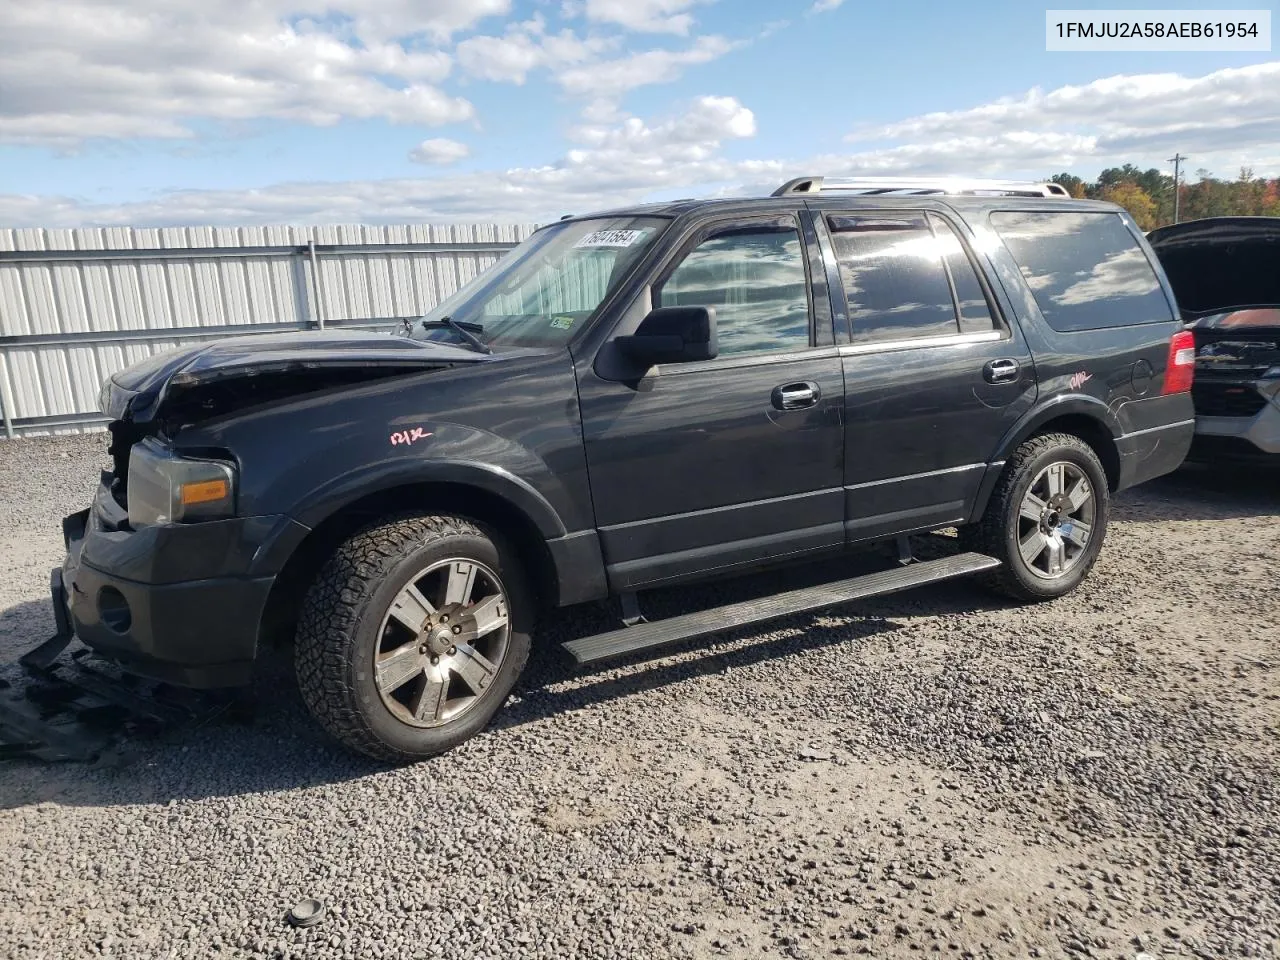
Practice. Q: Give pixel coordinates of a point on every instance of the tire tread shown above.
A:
(331, 614)
(988, 534)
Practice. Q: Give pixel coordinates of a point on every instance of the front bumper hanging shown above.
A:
(43, 656)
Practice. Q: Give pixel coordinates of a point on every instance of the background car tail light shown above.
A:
(1181, 368)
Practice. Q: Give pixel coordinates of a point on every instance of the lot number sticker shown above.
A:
(610, 238)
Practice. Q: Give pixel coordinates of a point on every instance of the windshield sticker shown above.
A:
(562, 323)
(610, 238)
(408, 437)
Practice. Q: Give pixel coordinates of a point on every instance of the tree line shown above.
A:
(1148, 194)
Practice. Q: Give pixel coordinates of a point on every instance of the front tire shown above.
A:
(412, 636)
(1046, 518)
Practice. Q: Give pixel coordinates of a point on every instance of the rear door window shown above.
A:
(893, 276)
(1086, 270)
(971, 300)
(907, 275)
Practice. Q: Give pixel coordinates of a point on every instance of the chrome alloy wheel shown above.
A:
(1055, 522)
(442, 643)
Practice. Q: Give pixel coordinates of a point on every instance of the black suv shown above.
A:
(629, 400)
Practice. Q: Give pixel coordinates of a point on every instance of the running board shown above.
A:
(646, 636)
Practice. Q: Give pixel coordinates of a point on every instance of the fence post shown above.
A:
(6, 395)
(315, 283)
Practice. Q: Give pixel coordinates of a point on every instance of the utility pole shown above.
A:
(1176, 160)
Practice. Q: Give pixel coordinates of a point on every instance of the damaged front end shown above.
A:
(164, 574)
(154, 401)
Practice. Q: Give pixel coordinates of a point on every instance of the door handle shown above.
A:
(796, 396)
(1001, 371)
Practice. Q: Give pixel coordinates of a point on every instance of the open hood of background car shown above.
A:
(1221, 264)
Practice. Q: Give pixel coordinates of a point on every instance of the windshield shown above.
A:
(546, 289)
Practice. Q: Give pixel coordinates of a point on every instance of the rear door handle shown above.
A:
(796, 396)
(1001, 371)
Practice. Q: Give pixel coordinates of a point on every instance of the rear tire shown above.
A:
(1046, 519)
(412, 636)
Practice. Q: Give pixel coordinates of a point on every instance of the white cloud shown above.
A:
(439, 151)
(645, 16)
(610, 166)
(822, 6)
(1227, 112)
(78, 69)
(693, 136)
(576, 62)
(616, 158)
(385, 19)
(612, 78)
(525, 47)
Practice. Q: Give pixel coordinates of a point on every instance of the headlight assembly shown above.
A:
(166, 488)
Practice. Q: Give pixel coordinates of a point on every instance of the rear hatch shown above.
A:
(1225, 273)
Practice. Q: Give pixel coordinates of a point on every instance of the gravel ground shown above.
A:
(939, 773)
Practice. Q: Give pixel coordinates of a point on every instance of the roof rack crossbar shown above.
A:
(880, 186)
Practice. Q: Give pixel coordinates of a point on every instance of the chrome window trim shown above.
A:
(950, 340)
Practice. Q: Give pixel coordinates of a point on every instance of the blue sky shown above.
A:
(162, 112)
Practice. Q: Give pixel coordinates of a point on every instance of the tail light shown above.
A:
(1181, 368)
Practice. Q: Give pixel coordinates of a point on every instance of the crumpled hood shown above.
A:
(138, 390)
(1221, 263)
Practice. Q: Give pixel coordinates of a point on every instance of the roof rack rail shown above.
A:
(898, 186)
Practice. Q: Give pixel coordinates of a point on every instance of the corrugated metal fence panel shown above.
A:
(261, 286)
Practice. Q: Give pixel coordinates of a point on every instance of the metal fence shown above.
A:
(77, 305)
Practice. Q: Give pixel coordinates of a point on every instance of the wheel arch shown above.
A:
(1081, 416)
(489, 509)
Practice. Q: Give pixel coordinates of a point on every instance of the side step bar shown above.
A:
(647, 636)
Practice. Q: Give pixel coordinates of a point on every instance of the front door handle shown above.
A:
(1001, 371)
(796, 396)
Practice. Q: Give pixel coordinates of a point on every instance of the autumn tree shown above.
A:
(1074, 185)
(1148, 194)
(1134, 199)
(1271, 199)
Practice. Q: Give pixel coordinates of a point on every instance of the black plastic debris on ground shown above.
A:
(78, 707)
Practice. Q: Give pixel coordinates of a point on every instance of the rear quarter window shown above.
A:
(1086, 270)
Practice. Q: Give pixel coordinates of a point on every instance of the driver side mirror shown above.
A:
(672, 335)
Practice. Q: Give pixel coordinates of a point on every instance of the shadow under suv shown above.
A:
(629, 400)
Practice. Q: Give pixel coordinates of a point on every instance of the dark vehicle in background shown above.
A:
(630, 400)
(1225, 273)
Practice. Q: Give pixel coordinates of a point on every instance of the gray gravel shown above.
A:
(939, 773)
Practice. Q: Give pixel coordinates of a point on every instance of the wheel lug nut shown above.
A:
(435, 661)
(457, 629)
(452, 651)
(444, 618)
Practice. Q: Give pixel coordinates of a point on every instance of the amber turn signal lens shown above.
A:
(205, 492)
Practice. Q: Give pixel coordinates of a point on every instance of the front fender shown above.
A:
(388, 474)
(333, 458)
